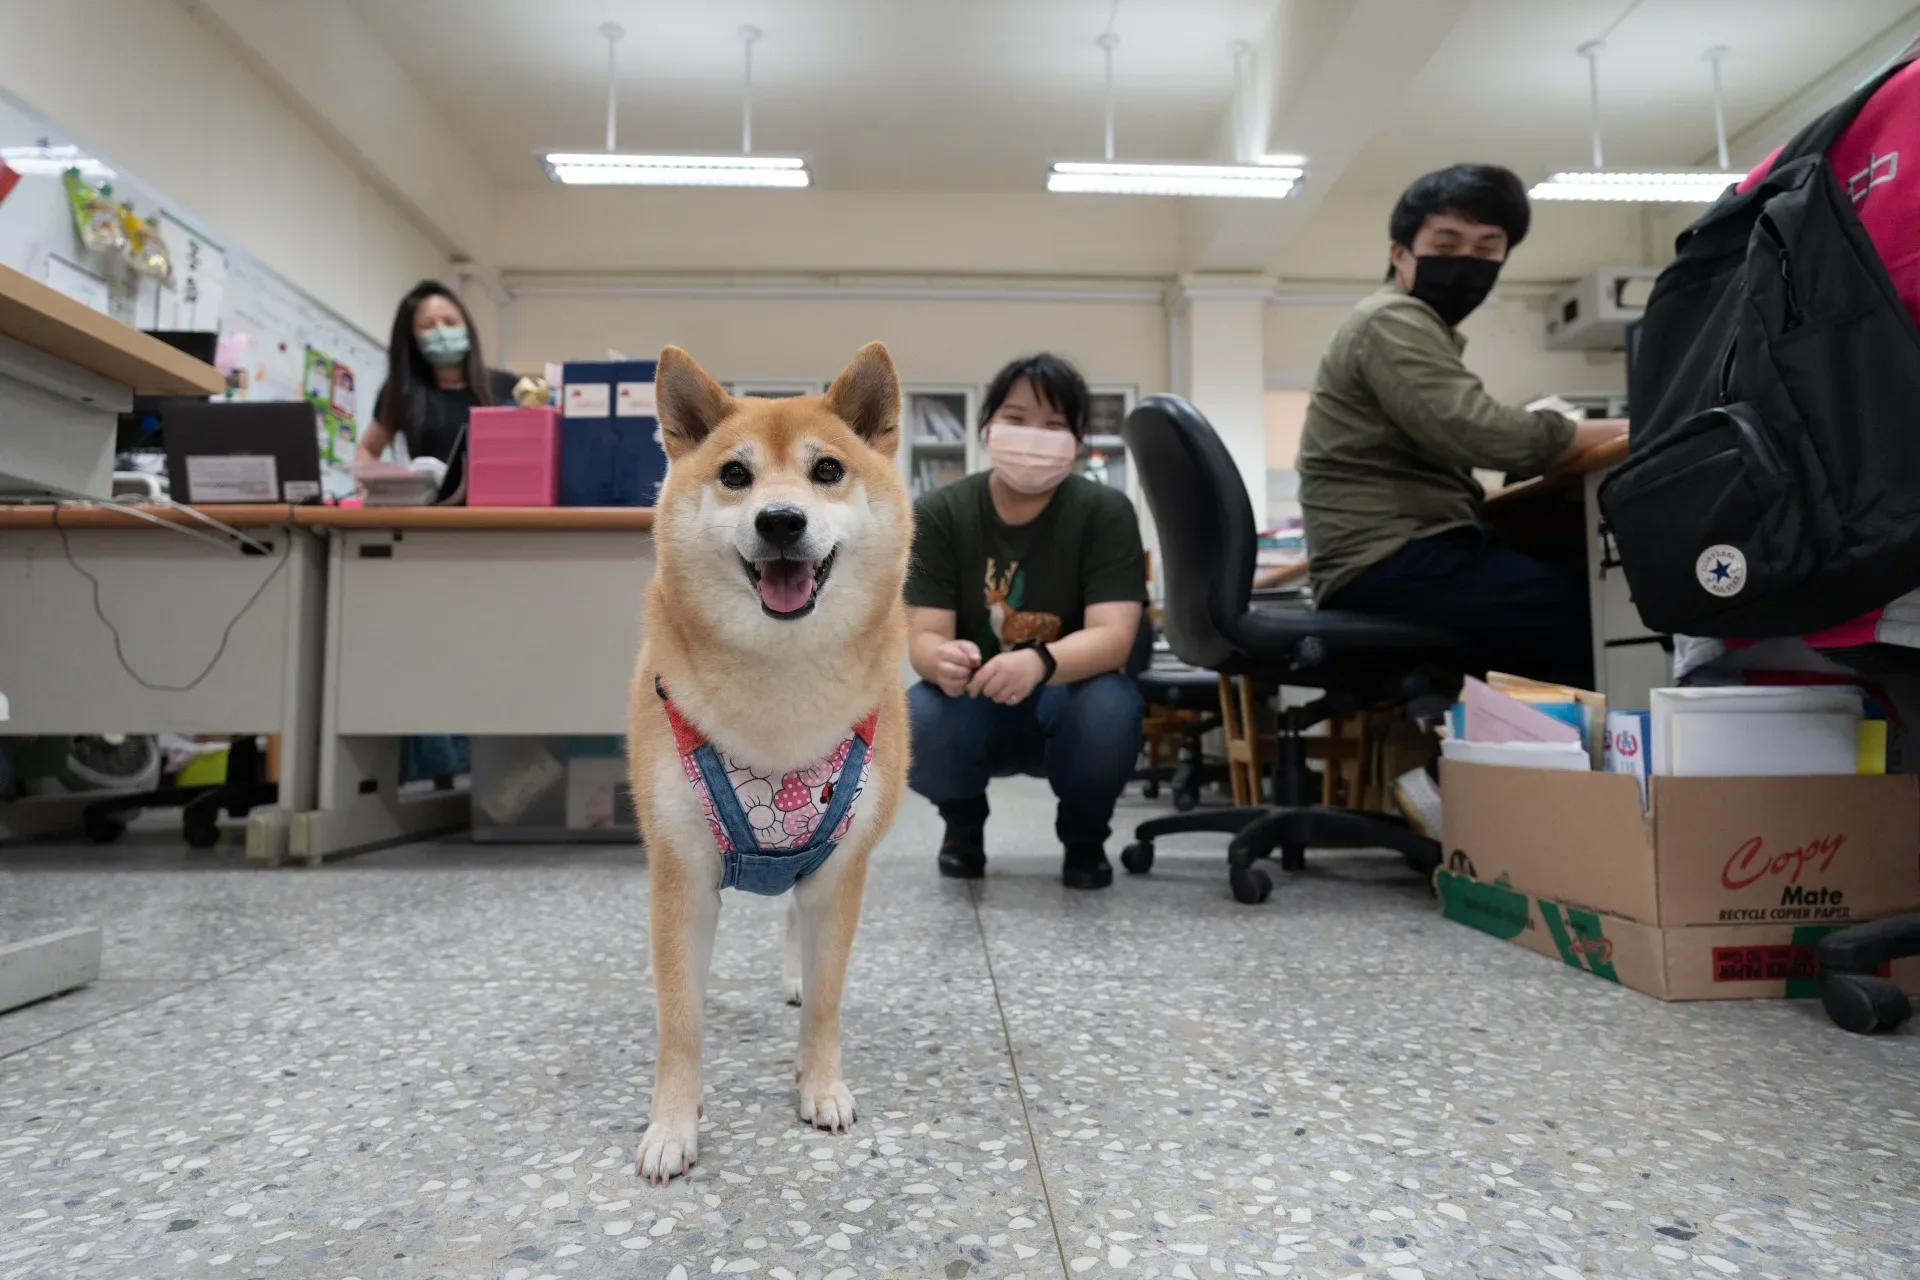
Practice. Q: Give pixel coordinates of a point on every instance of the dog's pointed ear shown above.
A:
(866, 396)
(690, 403)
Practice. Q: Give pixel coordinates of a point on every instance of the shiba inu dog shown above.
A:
(768, 743)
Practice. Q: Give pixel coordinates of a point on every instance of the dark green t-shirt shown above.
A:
(1009, 582)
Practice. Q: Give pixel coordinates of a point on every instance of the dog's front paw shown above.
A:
(826, 1104)
(671, 1145)
(793, 992)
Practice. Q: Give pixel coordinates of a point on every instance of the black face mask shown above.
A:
(1453, 284)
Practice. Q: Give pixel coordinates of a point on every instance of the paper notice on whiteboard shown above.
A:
(199, 286)
(232, 478)
(78, 283)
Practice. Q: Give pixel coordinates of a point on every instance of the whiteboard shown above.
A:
(280, 330)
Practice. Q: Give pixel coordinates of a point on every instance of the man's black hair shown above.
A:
(1483, 193)
(1057, 383)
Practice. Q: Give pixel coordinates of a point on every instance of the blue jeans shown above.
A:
(1082, 738)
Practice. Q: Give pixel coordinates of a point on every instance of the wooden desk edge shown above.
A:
(1599, 458)
(248, 515)
(532, 519)
(239, 515)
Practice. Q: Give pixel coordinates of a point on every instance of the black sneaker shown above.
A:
(963, 855)
(1086, 867)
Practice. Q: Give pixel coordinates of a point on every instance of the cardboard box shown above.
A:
(1719, 890)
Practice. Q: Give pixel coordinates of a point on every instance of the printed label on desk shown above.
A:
(300, 491)
(588, 400)
(227, 477)
(634, 400)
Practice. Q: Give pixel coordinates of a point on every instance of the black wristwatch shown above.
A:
(1046, 656)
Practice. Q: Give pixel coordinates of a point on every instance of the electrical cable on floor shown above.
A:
(119, 649)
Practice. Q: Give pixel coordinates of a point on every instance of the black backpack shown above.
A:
(1772, 486)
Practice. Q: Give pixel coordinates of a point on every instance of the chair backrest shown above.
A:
(1208, 539)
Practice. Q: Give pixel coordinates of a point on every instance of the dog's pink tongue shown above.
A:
(786, 585)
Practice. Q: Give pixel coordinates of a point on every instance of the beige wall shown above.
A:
(1286, 414)
(584, 229)
(1347, 240)
(1505, 345)
(157, 92)
(812, 337)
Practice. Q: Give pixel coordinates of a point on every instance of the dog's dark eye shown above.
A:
(735, 475)
(828, 471)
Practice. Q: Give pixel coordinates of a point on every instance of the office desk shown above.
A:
(462, 620)
(172, 599)
(1558, 518)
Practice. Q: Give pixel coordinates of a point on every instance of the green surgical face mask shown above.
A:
(444, 345)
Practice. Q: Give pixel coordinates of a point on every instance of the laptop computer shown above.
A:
(267, 452)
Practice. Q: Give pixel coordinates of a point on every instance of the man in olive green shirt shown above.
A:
(1397, 425)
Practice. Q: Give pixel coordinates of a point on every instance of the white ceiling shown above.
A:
(978, 95)
(1509, 87)
(885, 95)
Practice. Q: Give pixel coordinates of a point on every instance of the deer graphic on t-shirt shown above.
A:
(1010, 624)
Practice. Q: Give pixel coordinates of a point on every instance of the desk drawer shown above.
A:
(487, 632)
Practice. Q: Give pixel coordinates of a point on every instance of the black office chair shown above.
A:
(1857, 996)
(1207, 546)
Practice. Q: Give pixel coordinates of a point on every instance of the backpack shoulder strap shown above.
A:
(1819, 135)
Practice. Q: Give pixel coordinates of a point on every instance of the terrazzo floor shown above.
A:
(435, 1061)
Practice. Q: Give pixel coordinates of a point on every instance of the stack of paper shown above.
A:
(1493, 727)
(400, 484)
(1755, 731)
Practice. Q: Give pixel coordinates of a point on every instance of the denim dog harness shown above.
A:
(773, 832)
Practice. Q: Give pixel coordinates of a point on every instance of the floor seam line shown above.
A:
(191, 984)
(1013, 1063)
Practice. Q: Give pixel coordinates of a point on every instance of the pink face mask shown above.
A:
(1031, 459)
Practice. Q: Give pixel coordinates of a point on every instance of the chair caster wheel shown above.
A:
(1293, 857)
(1186, 801)
(1150, 790)
(201, 835)
(1863, 1004)
(1251, 886)
(103, 828)
(1137, 857)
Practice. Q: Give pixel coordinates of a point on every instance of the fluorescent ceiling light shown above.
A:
(54, 161)
(1110, 177)
(635, 169)
(1698, 187)
(613, 167)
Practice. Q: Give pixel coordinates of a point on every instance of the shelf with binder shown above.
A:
(940, 445)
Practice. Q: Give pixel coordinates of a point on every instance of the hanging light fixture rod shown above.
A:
(1712, 58)
(1591, 52)
(612, 31)
(1108, 42)
(1242, 133)
(614, 167)
(748, 37)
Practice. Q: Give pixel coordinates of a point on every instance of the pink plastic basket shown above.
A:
(513, 457)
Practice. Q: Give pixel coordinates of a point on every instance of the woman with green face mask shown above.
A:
(435, 375)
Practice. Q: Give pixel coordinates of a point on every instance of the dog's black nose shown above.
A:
(782, 527)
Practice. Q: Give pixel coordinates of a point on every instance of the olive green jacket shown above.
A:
(1394, 431)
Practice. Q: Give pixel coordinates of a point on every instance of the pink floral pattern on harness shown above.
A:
(784, 813)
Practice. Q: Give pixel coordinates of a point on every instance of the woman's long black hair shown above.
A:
(407, 368)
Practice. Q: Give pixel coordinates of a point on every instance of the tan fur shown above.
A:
(774, 693)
